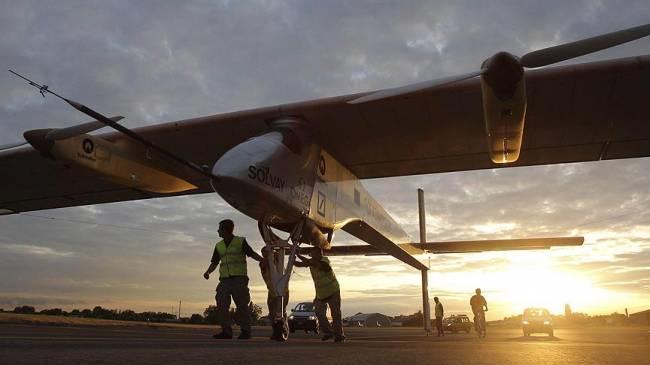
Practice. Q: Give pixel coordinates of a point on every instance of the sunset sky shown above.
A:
(155, 62)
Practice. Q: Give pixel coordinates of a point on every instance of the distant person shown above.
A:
(327, 293)
(479, 307)
(440, 313)
(270, 297)
(230, 254)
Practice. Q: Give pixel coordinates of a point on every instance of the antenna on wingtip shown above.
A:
(41, 88)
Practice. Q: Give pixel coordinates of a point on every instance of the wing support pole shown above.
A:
(426, 307)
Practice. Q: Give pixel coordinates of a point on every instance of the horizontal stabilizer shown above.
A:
(464, 246)
(499, 245)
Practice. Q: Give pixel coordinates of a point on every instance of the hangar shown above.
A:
(369, 320)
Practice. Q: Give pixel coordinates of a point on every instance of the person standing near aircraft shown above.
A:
(479, 307)
(440, 313)
(230, 254)
(328, 292)
(271, 298)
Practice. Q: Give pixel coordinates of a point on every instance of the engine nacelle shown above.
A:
(114, 162)
(504, 106)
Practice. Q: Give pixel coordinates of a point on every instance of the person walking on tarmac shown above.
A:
(440, 313)
(271, 298)
(230, 254)
(327, 293)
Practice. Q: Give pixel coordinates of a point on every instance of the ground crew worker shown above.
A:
(231, 252)
(271, 298)
(440, 313)
(327, 293)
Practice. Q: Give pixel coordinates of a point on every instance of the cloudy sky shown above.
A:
(160, 61)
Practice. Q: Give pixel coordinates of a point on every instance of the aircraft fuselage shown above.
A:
(284, 175)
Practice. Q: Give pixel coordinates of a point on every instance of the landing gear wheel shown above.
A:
(280, 331)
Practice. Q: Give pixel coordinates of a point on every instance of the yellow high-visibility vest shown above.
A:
(324, 281)
(232, 258)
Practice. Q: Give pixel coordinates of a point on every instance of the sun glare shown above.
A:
(533, 280)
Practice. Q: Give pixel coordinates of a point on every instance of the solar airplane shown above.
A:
(297, 167)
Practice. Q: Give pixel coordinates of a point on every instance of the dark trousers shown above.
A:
(441, 330)
(334, 302)
(237, 288)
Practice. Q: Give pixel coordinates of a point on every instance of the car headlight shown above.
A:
(291, 316)
(547, 322)
(312, 318)
(525, 322)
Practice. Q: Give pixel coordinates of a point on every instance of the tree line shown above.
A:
(101, 313)
(208, 316)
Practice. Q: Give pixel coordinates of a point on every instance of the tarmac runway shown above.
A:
(41, 344)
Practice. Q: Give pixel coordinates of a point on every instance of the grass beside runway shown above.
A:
(45, 320)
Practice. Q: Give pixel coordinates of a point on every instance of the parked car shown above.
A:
(457, 323)
(537, 320)
(303, 317)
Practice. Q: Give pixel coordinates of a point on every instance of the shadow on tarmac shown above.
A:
(535, 339)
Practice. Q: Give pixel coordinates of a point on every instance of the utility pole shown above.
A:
(179, 310)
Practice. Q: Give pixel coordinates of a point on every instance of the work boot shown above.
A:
(244, 335)
(328, 336)
(339, 338)
(222, 336)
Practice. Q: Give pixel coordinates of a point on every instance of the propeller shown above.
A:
(567, 51)
(64, 133)
(539, 58)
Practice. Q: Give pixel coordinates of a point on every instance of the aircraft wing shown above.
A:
(575, 113)
(463, 246)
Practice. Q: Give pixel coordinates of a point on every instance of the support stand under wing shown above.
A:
(426, 307)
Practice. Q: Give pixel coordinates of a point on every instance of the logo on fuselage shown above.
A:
(264, 176)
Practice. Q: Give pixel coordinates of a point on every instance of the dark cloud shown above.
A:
(161, 61)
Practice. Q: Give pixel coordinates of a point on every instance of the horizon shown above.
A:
(264, 312)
